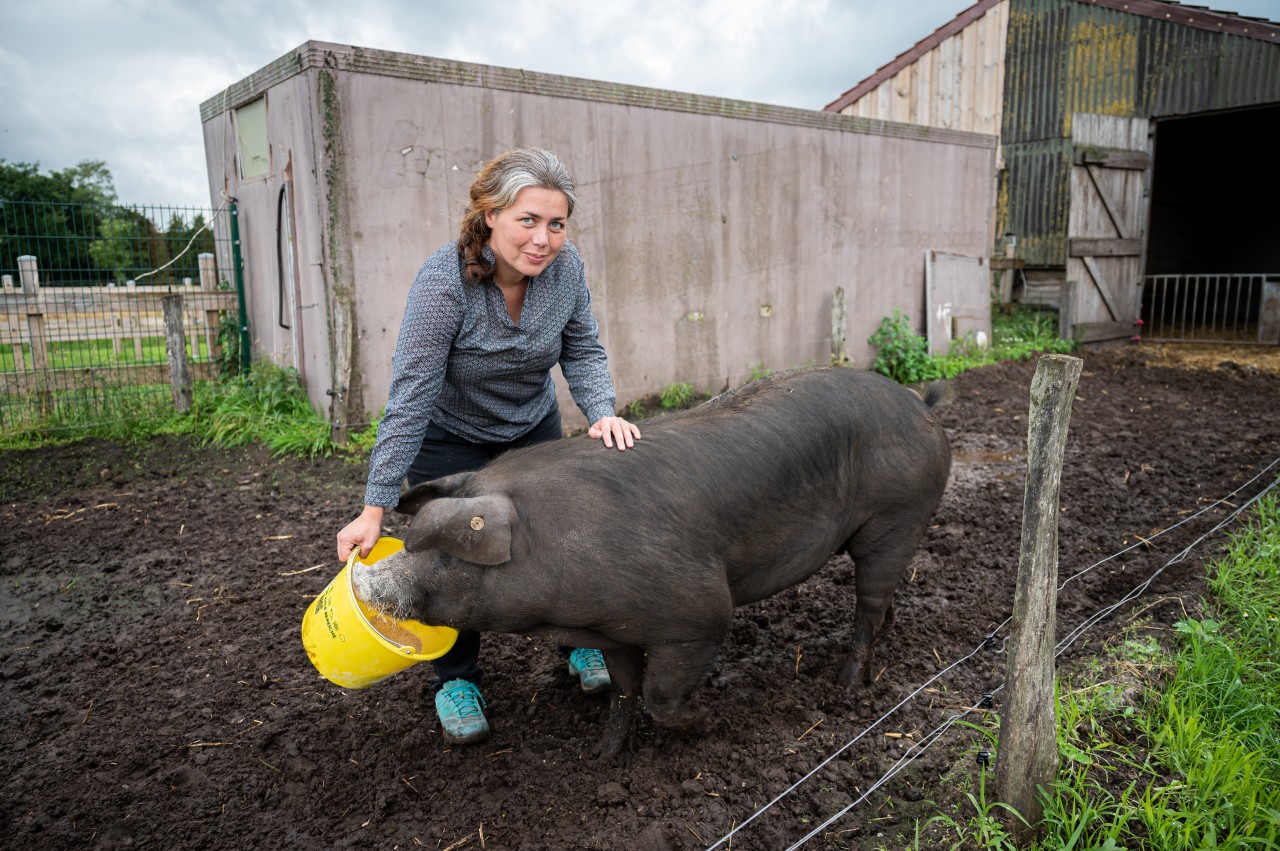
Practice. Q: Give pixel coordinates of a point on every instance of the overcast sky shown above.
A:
(122, 80)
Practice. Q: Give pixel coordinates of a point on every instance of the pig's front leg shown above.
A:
(626, 666)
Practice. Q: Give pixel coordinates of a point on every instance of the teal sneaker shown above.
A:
(588, 665)
(461, 711)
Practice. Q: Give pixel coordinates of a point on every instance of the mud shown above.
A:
(156, 694)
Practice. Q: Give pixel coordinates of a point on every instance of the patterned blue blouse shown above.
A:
(462, 363)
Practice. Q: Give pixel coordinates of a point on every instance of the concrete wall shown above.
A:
(714, 232)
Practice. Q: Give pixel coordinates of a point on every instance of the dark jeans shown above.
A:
(443, 454)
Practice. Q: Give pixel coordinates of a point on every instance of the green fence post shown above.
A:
(237, 265)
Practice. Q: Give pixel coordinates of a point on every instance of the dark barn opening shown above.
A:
(1213, 252)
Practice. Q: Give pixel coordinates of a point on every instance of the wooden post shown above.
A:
(212, 318)
(175, 345)
(839, 352)
(1067, 310)
(14, 324)
(132, 321)
(1027, 758)
(29, 272)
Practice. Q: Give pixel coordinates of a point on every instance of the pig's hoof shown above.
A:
(694, 723)
(619, 729)
(612, 745)
(854, 676)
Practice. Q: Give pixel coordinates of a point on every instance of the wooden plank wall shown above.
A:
(959, 84)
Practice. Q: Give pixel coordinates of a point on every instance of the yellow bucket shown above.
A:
(354, 646)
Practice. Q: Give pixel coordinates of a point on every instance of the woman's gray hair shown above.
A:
(526, 167)
(495, 188)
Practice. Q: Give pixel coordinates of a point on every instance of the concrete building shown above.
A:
(717, 234)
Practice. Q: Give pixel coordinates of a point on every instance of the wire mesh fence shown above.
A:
(82, 335)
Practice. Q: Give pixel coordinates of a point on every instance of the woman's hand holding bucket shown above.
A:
(363, 532)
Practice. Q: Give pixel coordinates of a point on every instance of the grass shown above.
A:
(267, 407)
(104, 354)
(1194, 761)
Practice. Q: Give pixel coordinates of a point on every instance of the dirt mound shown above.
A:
(157, 693)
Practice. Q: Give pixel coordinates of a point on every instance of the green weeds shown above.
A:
(904, 354)
(267, 406)
(678, 395)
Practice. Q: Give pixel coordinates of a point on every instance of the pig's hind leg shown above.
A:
(881, 553)
(672, 673)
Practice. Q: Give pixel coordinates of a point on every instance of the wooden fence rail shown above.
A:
(33, 318)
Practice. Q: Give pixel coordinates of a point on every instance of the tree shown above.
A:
(70, 221)
(89, 182)
(115, 249)
(54, 217)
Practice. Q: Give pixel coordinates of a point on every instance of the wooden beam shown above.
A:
(1113, 213)
(1100, 283)
(58, 380)
(1090, 246)
(1111, 158)
(1099, 332)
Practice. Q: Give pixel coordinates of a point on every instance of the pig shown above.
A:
(645, 553)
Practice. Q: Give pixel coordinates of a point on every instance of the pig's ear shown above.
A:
(477, 529)
(415, 497)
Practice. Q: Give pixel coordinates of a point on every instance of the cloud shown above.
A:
(122, 80)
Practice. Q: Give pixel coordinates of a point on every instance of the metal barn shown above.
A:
(1137, 184)
(720, 237)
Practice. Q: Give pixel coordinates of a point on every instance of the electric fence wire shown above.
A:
(933, 736)
(226, 199)
(1178, 557)
(1147, 542)
(914, 751)
(847, 745)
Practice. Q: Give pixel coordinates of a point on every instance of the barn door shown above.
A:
(1106, 227)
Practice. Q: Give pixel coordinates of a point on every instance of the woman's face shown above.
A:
(528, 235)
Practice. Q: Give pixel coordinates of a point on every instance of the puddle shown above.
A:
(985, 457)
(971, 460)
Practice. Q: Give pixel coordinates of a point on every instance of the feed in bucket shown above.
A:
(355, 646)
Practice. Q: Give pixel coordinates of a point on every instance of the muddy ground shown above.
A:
(155, 692)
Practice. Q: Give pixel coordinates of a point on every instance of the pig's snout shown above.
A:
(385, 586)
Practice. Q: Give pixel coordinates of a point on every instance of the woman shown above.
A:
(487, 318)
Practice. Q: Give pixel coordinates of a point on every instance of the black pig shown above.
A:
(645, 553)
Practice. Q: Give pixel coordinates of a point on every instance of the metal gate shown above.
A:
(1225, 308)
